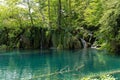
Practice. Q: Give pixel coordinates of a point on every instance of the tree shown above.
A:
(110, 27)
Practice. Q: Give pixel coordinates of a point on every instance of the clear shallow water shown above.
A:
(55, 65)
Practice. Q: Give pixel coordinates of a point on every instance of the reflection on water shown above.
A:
(54, 65)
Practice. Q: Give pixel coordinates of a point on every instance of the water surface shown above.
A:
(55, 65)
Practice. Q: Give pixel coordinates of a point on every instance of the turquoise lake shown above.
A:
(55, 65)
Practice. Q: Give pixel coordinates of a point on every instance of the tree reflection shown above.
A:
(52, 65)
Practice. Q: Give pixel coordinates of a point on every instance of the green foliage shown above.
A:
(93, 12)
(59, 23)
(109, 30)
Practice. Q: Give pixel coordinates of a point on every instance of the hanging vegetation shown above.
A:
(60, 24)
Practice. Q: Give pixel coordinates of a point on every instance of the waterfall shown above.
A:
(41, 40)
(84, 43)
(91, 35)
(41, 45)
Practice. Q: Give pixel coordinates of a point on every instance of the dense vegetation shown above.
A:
(61, 24)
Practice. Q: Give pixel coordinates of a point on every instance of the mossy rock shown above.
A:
(60, 46)
(3, 47)
(76, 44)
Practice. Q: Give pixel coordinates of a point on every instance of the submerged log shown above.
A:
(64, 70)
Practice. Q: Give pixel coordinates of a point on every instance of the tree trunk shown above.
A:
(30, 15)
(69, 13)
(59, 14)
(49, 13)
(32, 25)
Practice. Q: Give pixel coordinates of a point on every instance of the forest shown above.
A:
(60, 24)
(59, 39)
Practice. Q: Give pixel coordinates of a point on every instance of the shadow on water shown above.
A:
(55, 65)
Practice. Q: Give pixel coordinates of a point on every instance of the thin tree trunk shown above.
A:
(30, 15)
(44, 22)
(69, 13)
(49, 13)
(32, 25)
(59, 14)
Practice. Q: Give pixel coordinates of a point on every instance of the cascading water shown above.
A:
(41, 39)
(84, 43)
(91, 35)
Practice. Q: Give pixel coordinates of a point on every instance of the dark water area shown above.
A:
(55, 65)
